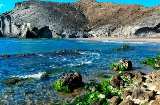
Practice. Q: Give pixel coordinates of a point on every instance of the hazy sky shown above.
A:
(6, 5)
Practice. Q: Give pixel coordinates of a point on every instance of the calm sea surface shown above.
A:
(94, 58)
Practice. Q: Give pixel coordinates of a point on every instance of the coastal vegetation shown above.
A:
(154, 62)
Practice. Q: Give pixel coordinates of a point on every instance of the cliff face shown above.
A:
(48, 18)
(120, 20)
(80, 19)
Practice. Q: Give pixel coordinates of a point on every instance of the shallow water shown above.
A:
(94, 58)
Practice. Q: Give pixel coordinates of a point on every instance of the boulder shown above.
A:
(126, 93)
(68, 82)
(122, 65)
(116, 81)
(115, 100)
(138, 77)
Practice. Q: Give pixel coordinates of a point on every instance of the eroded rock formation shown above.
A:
(52, 20)
(82, 19)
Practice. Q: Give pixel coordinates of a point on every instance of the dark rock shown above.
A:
(151, 94)
(16, 80)
(126, 93)
(116, 81)
(115, 100)
(6, 56)
(1, 35)
(69, 82)
(96, 103)
(126, 63)
(127, 102)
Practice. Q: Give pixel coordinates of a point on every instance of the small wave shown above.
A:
(87, 62)
(82, 41)
(41, 55)
(38, 75)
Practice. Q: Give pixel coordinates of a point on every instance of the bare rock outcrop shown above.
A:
(52, 19)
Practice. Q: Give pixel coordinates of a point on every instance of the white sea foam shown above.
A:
(81, 41)
(38, 75)
(41, 55)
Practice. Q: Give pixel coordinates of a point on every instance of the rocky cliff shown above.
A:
(85, 18)
(43, 20)
(110, 19)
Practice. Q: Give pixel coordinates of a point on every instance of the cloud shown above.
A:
(1, 5)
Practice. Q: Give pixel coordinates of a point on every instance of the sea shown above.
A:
(41, 55)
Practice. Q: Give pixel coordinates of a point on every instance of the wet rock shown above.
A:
(68, 82)
(96, 103)
(6, 56)
(16, 80)
(116, 81)
(115, 100)
(127, 102)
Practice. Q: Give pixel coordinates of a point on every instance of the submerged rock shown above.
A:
(6, 56)
(16, 80)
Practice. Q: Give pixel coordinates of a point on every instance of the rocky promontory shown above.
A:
(82, 19)
(39, 19)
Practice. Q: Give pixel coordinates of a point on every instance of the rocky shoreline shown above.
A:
(125, 88)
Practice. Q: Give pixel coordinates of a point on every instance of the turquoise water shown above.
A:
(41, 56)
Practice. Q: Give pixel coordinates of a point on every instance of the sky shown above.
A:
(7, 5)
